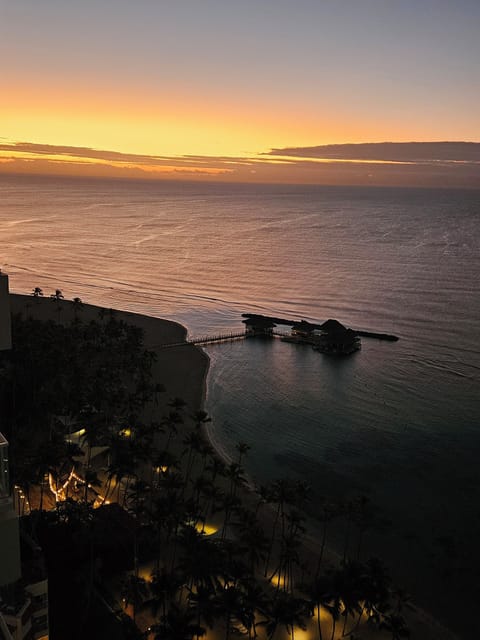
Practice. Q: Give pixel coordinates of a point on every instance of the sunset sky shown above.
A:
(209, 88)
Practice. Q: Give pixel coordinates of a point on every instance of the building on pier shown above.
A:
(335, 338)
(259, 326)
(302, 332)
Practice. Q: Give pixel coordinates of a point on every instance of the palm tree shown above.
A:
(376, 590)
(230, 604)
(171, 421)
(77, 306)
(229, 502)
(255, 601)
(350, 580)
(326, 513)
(302, 491)
(200, 418)
(334, 607)
(214, 496)
(130, 631)
(204, 603)
(235, 473)
(289, 557)
(202, 486)
(134, 592)
(37, 292)
(253, 543)
(162, 589)
(57, 297)
(91, 480)
(178, 624)
(193, 441)
(402, 600)
(348, 509)
(242, 448)
(166, 515)
(178, 404)
(157, 388)
(318, 592)
(396, 624)
(202, 559)
(265, 496)
(50, 459)
(281, 490)
(121, 464)
(206, 451)
(216, 467)
(288, 612)
(366, 516)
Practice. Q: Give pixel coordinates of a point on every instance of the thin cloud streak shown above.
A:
(421, 152)
(97, 154)
(454, 164)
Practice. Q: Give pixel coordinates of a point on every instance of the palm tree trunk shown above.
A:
(322, 548)
(360, 540)
(319, 622)
(333, 628)
(345, 623)
(41, 493)
(227, 625)
(357, 624)
(267, 561)
(347, 540)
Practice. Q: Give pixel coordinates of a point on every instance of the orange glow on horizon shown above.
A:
(177, 123)
(180, 136)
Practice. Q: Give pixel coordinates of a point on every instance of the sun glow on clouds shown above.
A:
(415, 164)
(72, 159)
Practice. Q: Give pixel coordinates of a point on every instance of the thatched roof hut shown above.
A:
(336, 338)
(332, 326)
(259, 326)
(303, 328)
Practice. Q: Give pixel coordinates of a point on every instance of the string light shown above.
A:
(21, 497)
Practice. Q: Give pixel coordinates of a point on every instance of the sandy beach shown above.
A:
(183, 370)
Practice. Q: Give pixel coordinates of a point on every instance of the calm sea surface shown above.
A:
(398, 422)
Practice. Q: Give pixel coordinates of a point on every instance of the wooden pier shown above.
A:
(378, 336)
(219, 337)
(266, 324)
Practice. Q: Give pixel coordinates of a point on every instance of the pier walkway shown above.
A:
(239, 335)
(219, 337)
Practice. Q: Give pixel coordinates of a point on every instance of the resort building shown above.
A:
(10, 568)
(337, 339)
(23, 589)
(302, 332)
(259, 326)
(5, 326)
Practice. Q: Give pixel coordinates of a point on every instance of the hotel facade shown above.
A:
(23, 603)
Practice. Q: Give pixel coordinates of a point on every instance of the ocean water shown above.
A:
(398, 422)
